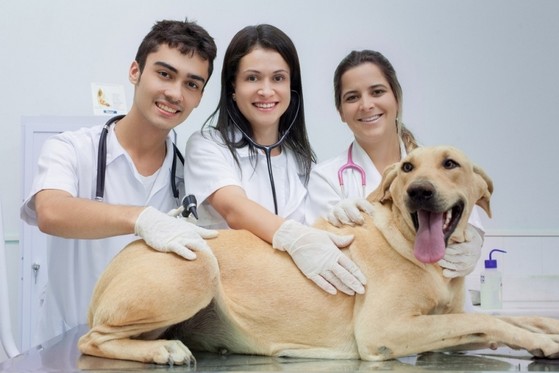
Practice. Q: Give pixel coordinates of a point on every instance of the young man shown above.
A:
(171, 68)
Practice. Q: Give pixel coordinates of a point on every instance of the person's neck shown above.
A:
(383, 153)
(266, 137)
(144, 143)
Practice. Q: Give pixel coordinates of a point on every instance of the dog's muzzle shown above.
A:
(433, 220)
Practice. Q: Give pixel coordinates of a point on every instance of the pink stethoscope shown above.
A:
(350, 164)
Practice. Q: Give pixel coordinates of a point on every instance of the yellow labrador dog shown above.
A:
(245, 297)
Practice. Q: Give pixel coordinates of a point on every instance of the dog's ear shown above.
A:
(382, 192)
(486, 185)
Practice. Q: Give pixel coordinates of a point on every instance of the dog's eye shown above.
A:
(449, 164)
(407, 167)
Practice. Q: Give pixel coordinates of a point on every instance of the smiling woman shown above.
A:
(369, 98)
(252, 167)
(263, 93)
(261, 103)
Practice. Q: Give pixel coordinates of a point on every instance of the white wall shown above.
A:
(478, 74)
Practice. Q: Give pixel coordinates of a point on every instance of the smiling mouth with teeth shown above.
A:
(167, 108)
(371, 118)
(433, 230)
(267, 105)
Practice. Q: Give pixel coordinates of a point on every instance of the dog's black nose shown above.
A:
(421, 192)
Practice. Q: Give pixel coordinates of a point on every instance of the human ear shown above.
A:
(134, 73)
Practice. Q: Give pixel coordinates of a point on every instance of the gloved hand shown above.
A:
(348, 212)
(175, 213)
(169, 234)
(316, 253)
(461, 258)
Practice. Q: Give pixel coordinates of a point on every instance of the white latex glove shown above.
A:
(176, 212)
(348, 212)
(169, 234)
(460, 259)
(316, 253)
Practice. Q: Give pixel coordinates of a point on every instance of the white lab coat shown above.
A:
(209, 166)
(324, 190)
(68, 162)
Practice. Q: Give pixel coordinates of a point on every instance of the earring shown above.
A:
(234, 97)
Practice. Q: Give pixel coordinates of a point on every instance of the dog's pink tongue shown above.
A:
(429, 244)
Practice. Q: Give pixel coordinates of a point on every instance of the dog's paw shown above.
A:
(173, 352)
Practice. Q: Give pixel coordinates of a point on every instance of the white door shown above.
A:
(35, 130)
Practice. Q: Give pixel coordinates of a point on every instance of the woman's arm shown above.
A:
(240, 212)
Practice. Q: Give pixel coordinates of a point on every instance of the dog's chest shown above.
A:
(447, 294)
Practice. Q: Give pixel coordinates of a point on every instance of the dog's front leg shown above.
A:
(534, 324)
(416, 334)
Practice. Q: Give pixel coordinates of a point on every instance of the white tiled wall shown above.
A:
(530, 268)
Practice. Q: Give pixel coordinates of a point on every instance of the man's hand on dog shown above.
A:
(316, 253)
(166, 233)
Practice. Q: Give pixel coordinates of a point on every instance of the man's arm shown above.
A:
(61, 214)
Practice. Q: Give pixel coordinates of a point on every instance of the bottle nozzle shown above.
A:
(492, 263)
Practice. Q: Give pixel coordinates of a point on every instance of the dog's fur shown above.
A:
(245, 297)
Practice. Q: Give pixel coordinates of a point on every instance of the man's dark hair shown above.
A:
(188, 37)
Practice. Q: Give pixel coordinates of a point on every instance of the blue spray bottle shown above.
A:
(491, 290)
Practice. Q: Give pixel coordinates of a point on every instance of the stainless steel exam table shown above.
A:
(61, 355)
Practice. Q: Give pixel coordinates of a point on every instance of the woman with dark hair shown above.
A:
(369, 98)
(250, 164)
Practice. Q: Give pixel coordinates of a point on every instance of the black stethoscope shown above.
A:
(267, 149)
(102, 162)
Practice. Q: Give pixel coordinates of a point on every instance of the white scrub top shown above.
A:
(209, 166)
(68, 162)
(324, 190)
